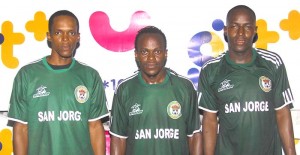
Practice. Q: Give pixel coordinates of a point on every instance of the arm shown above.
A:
(20, 138)
(195, 144)
(285, 127)
(97, 136)
(117, 145)
(210, 126)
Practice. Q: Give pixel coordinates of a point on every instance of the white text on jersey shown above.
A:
(159, 134)
(46, 116)
(251, 106)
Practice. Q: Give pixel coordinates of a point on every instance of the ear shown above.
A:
(78, 38)
(225, 33)
(166, 53)
(255, 38)
(48, 36)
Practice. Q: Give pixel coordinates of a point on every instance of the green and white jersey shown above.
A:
(246, 98)
(155, 119)
(57, 105)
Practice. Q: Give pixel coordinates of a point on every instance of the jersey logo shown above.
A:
(81, 94)
(174, 110)
(41, 92)
(135, 110)
(225, 85)
(265, 83)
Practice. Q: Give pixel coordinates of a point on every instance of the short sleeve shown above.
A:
(18, 110)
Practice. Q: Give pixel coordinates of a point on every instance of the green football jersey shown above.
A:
(57, 106)
(246, 97)
(155, 119)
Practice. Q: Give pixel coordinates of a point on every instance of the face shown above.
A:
(240, 31)
(151, 56)
(63, 37)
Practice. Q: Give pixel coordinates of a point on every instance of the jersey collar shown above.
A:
(58, 70)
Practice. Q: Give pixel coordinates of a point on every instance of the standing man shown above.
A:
(57, 102)
(154, 112)
(249, 90)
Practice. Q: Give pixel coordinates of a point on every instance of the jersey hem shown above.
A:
(213, 111)
(100, 117)
(17, 120)
(196, 131)
(119, 136)
(283, 105)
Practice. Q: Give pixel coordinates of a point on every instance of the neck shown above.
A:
(241, 57)
(155, 79)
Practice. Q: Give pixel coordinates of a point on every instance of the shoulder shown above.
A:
(85, 67)
(127, 82)
(181, 80)
(270, 57)
(31, 65)
(213, 62)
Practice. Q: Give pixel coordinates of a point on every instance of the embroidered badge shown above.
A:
(265, 83)
(174, 110)
(41, 92)
(81, 94)
(135, 109)
(225, 85)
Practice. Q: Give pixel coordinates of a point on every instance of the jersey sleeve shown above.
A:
(119, 118)
(98, 108)
(18, 110)
(206, 98)
(283, 94)
(194, 116)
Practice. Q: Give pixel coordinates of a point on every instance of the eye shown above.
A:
(144, 52)
(157, 52)
(57, 33)
(72, 33)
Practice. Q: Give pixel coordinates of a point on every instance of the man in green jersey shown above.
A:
(154, 112)
(248, 90)
(57, 102)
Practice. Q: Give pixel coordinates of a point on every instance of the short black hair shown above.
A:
(149, 29)
(240, 7)
(62, 13)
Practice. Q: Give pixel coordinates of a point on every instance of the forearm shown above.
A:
(117, 146)
(20, 139)
(195, 144)
(285, 127)
(209, 130)
(97, 136)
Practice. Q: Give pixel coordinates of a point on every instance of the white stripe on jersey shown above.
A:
(214, 60)
(287, 95)
(270, 56)
(38, 60)
(131, 77)
(175, 74)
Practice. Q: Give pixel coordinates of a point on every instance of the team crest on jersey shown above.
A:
(174, 110)
(265, 83)
(81, 94)
(41, 92)
(135, 110)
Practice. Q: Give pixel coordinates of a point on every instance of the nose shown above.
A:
(240, 30)
(65, 37)
(151, 55)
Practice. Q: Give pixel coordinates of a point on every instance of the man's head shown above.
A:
(63, 34)
(61, 13)
(240, 31)
(151, 53)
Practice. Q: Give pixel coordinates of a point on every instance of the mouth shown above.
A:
(151, 65)
(240, 41)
